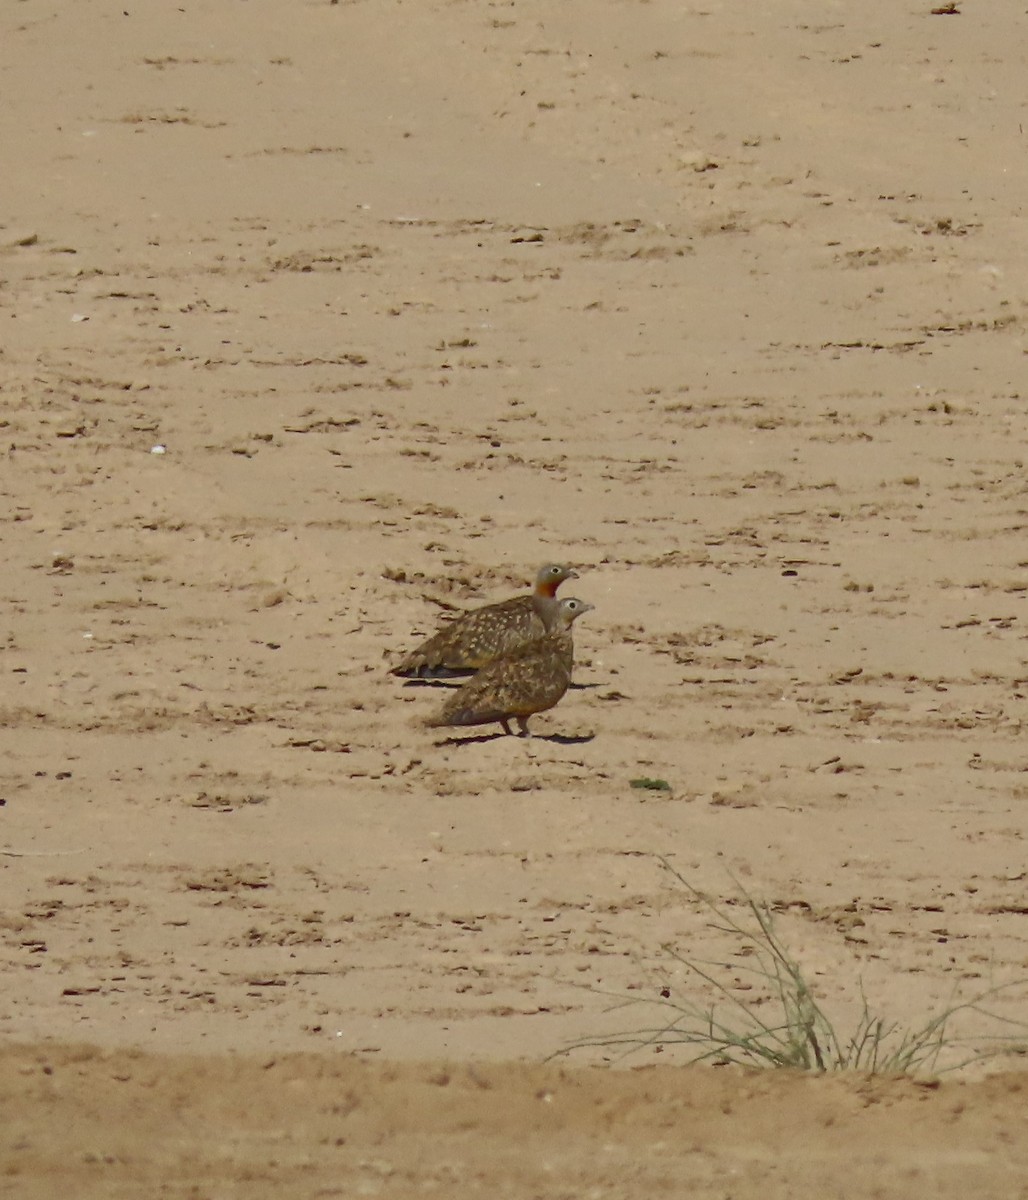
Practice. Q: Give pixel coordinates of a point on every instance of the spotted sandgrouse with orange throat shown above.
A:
(482, 635)
(530, 680)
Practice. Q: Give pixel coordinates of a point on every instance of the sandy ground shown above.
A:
(320, 319)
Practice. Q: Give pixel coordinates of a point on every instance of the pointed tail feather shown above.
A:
(464, 716)
(423, 670)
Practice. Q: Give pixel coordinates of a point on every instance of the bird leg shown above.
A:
(506, 726)
(523, 726)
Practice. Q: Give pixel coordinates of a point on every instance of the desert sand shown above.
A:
(323, 320)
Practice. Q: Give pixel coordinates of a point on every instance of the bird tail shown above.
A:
(418, 668)
(462, 716)
(410, 668)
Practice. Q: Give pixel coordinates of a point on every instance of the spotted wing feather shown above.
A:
(531, 680)
(477, 638)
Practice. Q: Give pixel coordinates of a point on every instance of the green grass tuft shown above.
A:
(650, 785)
(800, 1034)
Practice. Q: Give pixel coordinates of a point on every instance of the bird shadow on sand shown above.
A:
(433, 683)
(456, 681)
(557, 739)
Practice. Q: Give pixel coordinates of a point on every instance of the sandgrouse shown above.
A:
(531, 679)
(483, 635)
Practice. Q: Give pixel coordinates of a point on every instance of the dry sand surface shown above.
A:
(723, 303)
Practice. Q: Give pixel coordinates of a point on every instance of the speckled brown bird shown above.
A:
(479, 637)
(530, 680)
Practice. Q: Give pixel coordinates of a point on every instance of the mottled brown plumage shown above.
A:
(530, 680)
(479, 637)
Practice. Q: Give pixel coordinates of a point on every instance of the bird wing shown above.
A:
(475, 638)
